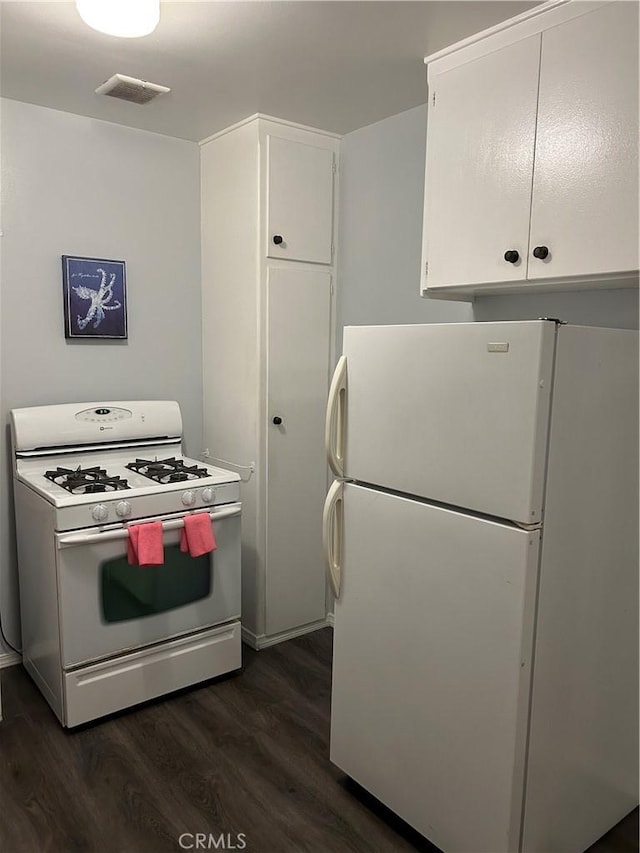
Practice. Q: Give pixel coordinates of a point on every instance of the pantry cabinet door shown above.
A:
(480, 146)
(298, 324)
(299, 201)
(585, 187)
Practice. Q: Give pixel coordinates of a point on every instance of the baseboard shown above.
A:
(249, 638)
(263, 641)
(9, 659)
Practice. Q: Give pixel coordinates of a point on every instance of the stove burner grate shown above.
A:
(170, 470)
(86, 481)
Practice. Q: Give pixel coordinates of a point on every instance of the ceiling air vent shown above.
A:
(131, 89)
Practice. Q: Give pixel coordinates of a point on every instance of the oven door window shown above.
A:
(132, 592)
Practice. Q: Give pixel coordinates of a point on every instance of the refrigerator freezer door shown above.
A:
(432, 666)
(456, 413)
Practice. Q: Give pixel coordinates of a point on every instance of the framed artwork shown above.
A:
(95, 298)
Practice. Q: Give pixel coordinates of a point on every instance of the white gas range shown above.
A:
(100, 634)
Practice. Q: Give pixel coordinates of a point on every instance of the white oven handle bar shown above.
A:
(68, 540)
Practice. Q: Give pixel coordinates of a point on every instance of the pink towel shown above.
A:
(145, 546)
(197, 535)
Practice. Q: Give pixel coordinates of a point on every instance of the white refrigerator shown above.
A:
(482, 545)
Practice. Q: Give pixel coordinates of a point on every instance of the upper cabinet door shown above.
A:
(480, 146)
(299, 201)
(585, 187)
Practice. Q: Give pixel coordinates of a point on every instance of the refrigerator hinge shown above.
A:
(530, 528)
(554, 320)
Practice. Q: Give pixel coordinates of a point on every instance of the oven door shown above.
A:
(108, 607)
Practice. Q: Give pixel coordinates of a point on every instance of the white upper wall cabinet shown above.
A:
(585, 183)
(532, 154)
(299, 201)
(480, 138)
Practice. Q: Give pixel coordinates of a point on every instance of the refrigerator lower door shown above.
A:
(456, 413)
(432, 666)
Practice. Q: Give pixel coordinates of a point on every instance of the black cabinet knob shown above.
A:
(511, 257)
(540, 252)
(277, 239)
(277, 420)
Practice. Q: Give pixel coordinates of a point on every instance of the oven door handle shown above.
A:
(68, 540)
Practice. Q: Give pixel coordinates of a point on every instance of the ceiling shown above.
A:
(333, 65)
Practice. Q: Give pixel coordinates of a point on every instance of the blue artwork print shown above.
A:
(95, 300)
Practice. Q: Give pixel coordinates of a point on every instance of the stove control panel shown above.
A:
(100, 512)
(106, 508)
(104, 414)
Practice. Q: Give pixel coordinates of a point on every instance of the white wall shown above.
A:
(380, 244)
(617, 309)
(73, 185)
(382, 186)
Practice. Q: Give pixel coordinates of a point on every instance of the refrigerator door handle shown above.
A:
(334, 434)
(332, 524)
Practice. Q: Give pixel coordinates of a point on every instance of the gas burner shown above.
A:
(86, 481)
(170, 470)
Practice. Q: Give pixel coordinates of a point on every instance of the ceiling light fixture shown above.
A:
(123, 18)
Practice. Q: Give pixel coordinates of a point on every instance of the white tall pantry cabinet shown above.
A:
(269, 193)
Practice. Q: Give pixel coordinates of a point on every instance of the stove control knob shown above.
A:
(208, 495)
(188, 498)
(100, 512)
(123, 509)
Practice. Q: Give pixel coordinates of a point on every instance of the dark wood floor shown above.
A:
(246, 754)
